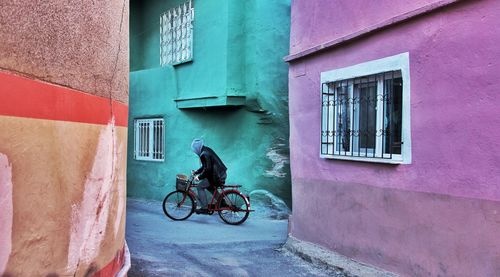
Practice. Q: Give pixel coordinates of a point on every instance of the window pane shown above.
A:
(366, 115)
(343, 121)
(327, 111)
(147, 139)
(393, 115)
(162, 155)
(176, 34)
(155, 139)
(142, 142)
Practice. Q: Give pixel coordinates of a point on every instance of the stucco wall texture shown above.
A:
(63, 137)
(315, 24)
(77, 44)
(238, 50)
(439, 215)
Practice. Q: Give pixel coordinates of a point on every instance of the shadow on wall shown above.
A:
(254, 146)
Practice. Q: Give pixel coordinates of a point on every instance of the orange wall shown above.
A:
(63, 187)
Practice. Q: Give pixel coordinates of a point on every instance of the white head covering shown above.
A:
(196, 146)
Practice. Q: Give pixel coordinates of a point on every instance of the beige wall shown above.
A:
(68, 192)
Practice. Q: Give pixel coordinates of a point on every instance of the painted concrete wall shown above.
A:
(238, 49)
(316, 24)
(63, 137)
(439, 215)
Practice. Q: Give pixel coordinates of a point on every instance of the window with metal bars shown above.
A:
(176, 34)
(365, 111)
(149, 142)
(362, 117)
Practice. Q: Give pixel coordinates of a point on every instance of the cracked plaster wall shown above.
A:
(238, 48)
(77, 44)
(63, 82)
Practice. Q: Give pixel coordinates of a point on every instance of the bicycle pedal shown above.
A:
(201, 211)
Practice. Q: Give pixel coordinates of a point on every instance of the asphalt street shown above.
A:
(204, 245)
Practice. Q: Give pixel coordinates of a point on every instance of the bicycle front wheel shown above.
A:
(235, 210)
(178, 205)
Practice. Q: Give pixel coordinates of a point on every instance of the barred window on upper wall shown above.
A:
(176, 34)
(149, 144)
(366, 118)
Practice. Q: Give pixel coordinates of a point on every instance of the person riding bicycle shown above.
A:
(211, 174)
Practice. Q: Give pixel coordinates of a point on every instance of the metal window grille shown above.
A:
(149, 139)
(362, 117)
(176, 34)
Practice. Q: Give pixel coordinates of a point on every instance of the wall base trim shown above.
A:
(333, 261)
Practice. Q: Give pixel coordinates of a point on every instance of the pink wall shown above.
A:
(454, 99)
(318, 21)
(442, 195)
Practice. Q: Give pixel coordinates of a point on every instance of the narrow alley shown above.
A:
(361, 137)
(205, 246)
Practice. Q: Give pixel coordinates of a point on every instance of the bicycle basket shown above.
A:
(181, 182)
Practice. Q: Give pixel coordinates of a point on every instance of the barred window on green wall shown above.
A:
(176, 34)
(149, 142)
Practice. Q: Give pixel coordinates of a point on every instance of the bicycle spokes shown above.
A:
(237, 209)
(178, 205)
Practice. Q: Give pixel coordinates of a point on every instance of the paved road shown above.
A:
(205, 246)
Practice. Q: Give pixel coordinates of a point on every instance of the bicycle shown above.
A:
(232, 206)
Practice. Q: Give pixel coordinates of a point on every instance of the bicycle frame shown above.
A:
(228, 201)
(214, 206)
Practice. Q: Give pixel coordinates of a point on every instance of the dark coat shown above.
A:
(212, 168)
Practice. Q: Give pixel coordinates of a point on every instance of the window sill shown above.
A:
(182, 62)
(396, 160)
(146, 160)
(210, 101)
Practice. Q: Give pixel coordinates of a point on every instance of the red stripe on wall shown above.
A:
(24, 97)
(113, 267)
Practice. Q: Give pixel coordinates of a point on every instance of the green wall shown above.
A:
(238, 50)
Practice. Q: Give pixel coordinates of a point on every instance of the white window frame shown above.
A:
(398, 62)
(176, 34)
(149, 135)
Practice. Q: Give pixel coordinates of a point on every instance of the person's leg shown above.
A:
(212, 189)
(223, 203)
(202, 195)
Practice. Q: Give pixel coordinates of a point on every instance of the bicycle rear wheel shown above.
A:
(178, 205)
(237, 209)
